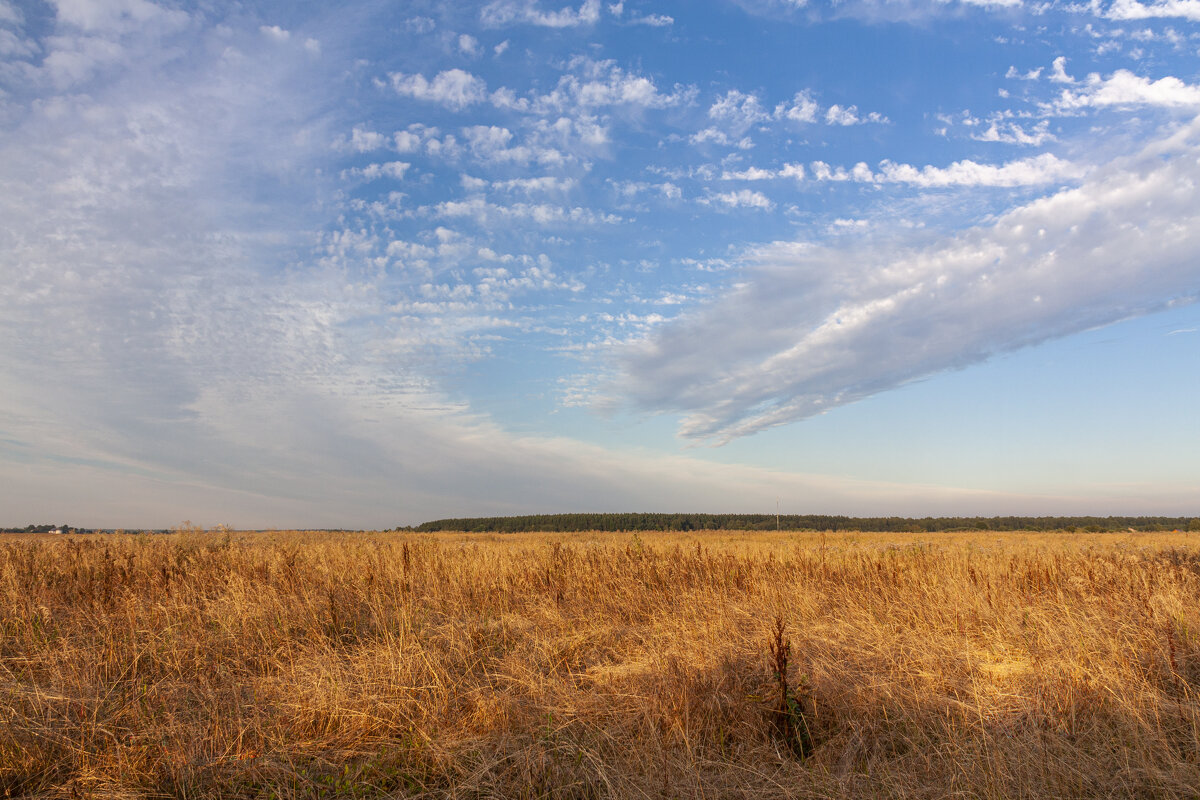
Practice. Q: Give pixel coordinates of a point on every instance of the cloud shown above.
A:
(738, 111)
(10, 14)
(803, 108)
(546, 184)
(735, 113)
(454, 88)
(1034, 171)
(1042, 169)
(1125, 89)
(812, 327)
(484, 213)
(275, 32)
(836, 115)
(590, 85)
(468, 45)
(491, 144)
(365, 141)
(391, 169)
(501, 13)
(653, 20)
(748, 174)
(117, 16)
(743, 198)
(1131, 9)
(1031, 75)
(1058, 73)
(1012, 133)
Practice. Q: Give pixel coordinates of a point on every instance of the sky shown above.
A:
(364, 264)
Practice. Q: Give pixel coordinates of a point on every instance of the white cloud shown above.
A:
(590, 85)
(1123, 88)
(813, 327)
(545, 184)
(508, 12)
(454, 88)
(1031, 75)
(738, 111)
(1131, 9)
(10, 13)
(735, 113)
(491, 144)
(420, 24)
(468, 45)
(1038, 170)
(1058, 72)
(653, 20)
(803, 108)
(484, 213)
(742, 198)
(748, 174)
(14, 47)
(117, 15)
(275, 32)
(1012, 133)
(720, 137)
(795, 171)
(390, 169)
(824, 172)
(837, 115)
(1035, 171)
(364, 141)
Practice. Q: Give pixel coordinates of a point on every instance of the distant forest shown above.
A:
(761, 522)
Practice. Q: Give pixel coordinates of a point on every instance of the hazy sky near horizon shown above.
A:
(365, 264)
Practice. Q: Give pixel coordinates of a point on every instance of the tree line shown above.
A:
(757, 522)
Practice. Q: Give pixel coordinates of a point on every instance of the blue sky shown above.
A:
(366, 264)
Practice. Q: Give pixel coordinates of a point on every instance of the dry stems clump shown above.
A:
(600, 665)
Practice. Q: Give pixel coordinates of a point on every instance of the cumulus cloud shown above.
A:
(1013, 133)
(837, 115)
(508, 12)
(390, 169)
(1058, 72)
(1131, 9)
(454, 88)
(1042, 169)
(468, 45)
(591, 84)
(802, 108)
(275, 32)
(1035, 171)
(1124, 88)
(743, 198)
(812, 327)
(735, 113)
(653, 20)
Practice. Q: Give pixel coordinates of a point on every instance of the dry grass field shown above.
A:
(714, 665)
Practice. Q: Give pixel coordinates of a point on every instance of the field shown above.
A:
(714, 665)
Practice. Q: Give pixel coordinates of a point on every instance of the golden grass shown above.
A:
(599, 665)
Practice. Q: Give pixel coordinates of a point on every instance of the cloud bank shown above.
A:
(812, 328)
